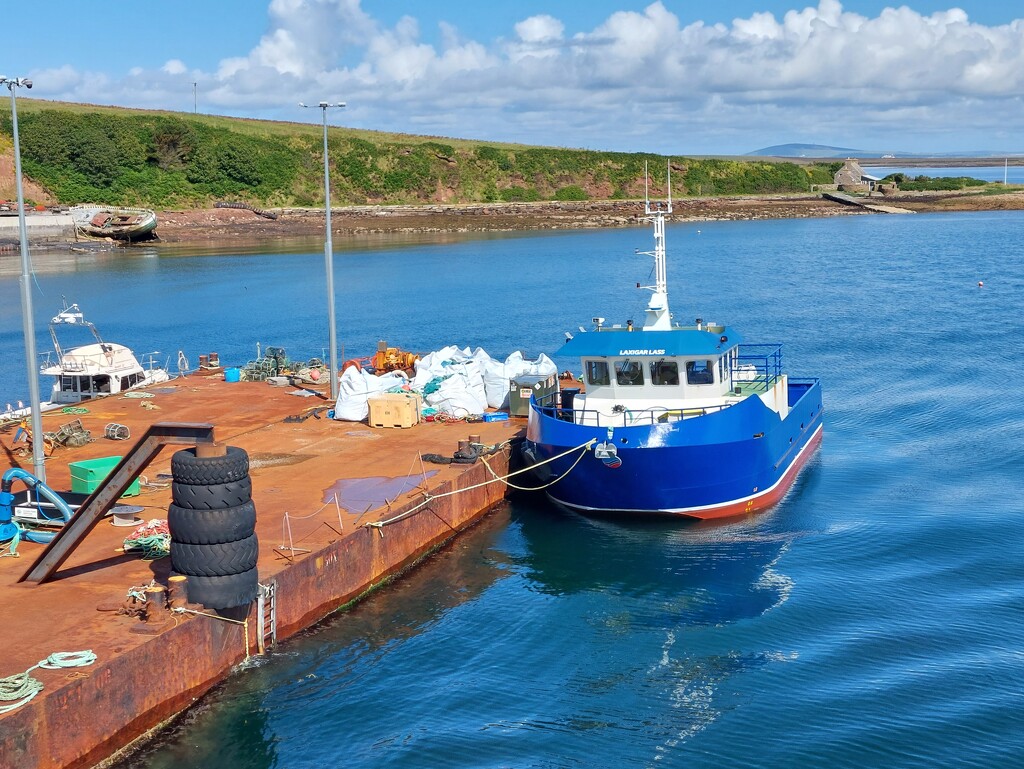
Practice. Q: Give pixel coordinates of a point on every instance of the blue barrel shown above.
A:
(232, 375)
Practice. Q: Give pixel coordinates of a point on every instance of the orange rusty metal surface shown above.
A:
(85, 714)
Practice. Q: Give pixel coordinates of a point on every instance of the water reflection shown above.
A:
(704, 573)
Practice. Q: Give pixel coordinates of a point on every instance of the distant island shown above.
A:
(826, 152)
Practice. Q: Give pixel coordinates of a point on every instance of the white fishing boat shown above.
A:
(93, 370)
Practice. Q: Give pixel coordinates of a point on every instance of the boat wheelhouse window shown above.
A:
(699, 372)
(665, 372)
(69, 384)
(597, 372)
(101, 384)
(130, 381)
(629, 372)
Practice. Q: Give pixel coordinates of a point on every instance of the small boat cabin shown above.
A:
(94, 371)
(647, 376)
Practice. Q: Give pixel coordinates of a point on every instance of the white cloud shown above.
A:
(540, 29)
(175, 67)
(638, 80)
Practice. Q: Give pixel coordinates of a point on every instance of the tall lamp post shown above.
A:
(329, 251)
(28, 327)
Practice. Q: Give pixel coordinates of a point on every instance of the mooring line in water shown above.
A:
(379, 525)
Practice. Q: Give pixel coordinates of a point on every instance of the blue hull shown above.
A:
(740, 459)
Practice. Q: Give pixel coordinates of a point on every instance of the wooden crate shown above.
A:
(394, 410)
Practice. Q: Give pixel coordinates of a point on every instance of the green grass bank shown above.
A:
(85, 153)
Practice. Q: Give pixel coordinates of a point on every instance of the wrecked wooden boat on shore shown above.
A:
(117, 223)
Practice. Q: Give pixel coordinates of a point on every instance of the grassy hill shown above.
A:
(84, 153)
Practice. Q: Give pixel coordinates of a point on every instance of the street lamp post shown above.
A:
(28, 326)
(329, 252)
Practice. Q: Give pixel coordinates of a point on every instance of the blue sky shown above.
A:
(673, 76)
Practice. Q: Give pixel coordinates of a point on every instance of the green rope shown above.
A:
(74, 410)
(23, 687)
(434, 384)
(153, 547)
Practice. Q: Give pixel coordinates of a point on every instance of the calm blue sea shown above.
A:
(874, 618)
(992, 173)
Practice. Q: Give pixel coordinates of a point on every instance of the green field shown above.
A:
(85, 153)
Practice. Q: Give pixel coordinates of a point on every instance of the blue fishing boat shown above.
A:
(672, 420)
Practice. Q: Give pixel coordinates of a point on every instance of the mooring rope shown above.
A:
(243, 622)
(379, 525)
(23, 687)
(552, 482)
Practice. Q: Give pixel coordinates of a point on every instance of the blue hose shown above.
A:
(9, 530)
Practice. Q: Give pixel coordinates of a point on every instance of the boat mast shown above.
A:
(658, 316)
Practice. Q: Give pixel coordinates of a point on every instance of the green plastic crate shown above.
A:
(89, 473)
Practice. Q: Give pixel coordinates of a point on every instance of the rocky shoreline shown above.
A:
(215, 224)
(240, 225)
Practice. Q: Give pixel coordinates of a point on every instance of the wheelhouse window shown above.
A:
(665, 372)
(629, 372)
(597, 372)
(700, 372)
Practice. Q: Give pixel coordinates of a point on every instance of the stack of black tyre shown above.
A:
(213, 522)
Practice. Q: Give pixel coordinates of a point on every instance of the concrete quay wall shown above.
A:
(40, 228)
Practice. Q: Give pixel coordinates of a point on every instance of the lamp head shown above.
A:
(27, 83)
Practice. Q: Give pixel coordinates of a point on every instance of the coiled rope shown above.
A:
(582, 448)
(153, 539)
(23, 687)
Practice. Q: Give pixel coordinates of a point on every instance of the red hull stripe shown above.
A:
(764, 499)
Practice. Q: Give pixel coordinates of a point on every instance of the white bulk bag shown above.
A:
(356, 386)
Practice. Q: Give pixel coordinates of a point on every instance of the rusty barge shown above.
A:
(315, 555)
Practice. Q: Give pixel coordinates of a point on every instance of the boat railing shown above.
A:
(759, 367)
(70, 365)
(551, 405)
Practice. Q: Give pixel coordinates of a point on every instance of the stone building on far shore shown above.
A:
(851, 178)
